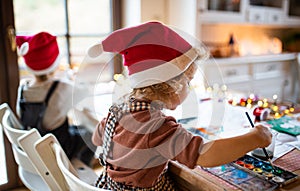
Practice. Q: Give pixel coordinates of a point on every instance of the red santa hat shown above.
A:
(40, 52)
(153, 52)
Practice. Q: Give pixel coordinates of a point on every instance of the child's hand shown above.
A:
(263, 135)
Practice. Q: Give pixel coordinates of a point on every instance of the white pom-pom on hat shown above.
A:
(23, 50)
(95, 51)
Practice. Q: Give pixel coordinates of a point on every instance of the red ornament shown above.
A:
(261, 113)
(243, 101)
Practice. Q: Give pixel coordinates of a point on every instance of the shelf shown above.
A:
(253, 59)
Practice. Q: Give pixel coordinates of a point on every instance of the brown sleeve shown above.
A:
(190, 154)
(174, 142)
(98, 133)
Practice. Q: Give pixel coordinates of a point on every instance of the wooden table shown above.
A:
(186, 178)
(196, 180)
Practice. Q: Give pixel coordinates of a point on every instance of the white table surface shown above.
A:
(231, 119)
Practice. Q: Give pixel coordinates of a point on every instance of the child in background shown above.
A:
(138, 140)
(44, 101)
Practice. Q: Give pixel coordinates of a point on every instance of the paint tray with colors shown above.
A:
(241, 178)
(250, 173)
(265, 170)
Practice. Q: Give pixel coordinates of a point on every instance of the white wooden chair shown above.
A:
(35, 171)
(26, 142)
(28, 172)
(76, 178)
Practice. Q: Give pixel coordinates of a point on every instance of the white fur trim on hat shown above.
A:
(164, 72)
(52, 68)
(95, 51)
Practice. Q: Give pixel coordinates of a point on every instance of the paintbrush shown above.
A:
(264, 150)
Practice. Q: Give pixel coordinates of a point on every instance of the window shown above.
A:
(77, 24)
(30, 17)
(3, 176)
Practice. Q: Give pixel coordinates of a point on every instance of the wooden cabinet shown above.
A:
(262, 15)
(265, 12)
(216, 11)
(292, 10)
(264, 75)
(227, 73)
(266, 70)
(276, 12)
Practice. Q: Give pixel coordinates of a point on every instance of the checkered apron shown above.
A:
(164, 182)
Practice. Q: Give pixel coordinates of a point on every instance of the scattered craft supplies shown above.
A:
(286, 124)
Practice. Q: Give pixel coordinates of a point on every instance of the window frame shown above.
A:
(9, 75)
(9, 81)
(116, 21)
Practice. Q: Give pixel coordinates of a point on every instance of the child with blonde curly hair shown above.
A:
(138, 139)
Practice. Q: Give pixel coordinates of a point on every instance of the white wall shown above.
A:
(154, 10)
(178, 13)
(182, 14)
(131, 10)
(140, 11)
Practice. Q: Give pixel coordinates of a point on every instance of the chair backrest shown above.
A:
(28, 171)
(26, 142)
(11, 125)
(55, 158)
(12, 130)
(74, 182)
(45, 152)
(22, 160)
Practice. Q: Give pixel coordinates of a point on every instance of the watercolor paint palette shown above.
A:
(250, 173)
(265, 170)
